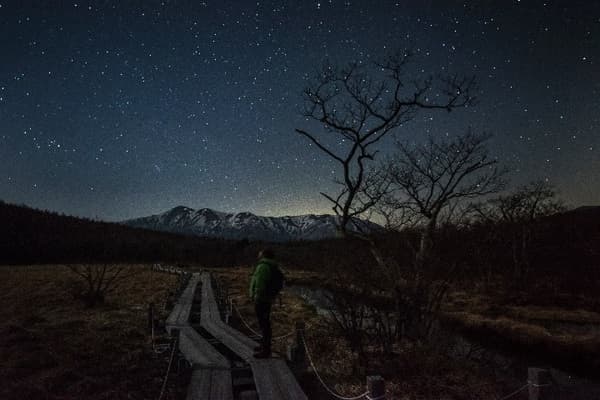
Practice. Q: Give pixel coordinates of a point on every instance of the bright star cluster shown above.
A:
(118, 109)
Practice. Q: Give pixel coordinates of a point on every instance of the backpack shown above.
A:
(276, 282)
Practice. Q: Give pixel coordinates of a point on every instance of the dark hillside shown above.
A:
(34, 236)
(561, 249)
(30, 236)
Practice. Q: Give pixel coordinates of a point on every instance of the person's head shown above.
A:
(266, 253)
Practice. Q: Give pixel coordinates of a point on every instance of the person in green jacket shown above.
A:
(260, 294)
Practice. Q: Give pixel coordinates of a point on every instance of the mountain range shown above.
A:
(244, 225)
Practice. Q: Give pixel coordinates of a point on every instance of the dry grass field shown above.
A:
(569, 335)
(53, 347)
(556, 330)
(333, 357)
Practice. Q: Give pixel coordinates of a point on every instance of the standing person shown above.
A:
(264, 287)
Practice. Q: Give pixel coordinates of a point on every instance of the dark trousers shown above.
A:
(263, 314)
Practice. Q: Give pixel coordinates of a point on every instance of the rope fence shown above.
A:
(366, 395)
(287, 335)
(157, 348)
(516, 392)
(537, 382)
(330, 391)
(166, 378)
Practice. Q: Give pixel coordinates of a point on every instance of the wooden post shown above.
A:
(169, 303)
(300, 327)
(376, 387)
(232, 317)
(151, 318)
(539, 383)
(228, 312)
(296, 352)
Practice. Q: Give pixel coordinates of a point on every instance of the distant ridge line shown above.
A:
(246, 225)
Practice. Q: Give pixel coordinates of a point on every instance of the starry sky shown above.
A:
(120, 109)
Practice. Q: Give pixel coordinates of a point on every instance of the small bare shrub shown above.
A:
(98, 280)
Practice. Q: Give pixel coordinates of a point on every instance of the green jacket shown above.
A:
(260, 280)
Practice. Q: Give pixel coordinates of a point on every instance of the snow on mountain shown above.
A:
(207, 222)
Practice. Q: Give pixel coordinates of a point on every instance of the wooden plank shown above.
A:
(205, 310)
(272, 377)
(235, 334)
(199, 388)
(210, 312)
(209, 296)
(187, 297)
(180, 314)
(221, 387)
(266, 385)
(274, 380)
(241, 348)
(210, 319)
(198, 351)
(210, 384)
(286, 380)
(177, 319)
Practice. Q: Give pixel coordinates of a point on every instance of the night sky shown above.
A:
(120, 109)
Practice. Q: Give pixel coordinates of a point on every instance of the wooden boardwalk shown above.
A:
(212, 375)
(211, 378)
(272, 377)
(180, 314)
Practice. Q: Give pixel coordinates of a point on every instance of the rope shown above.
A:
(538, 385)
(158, 348)
(256, 333)
(519, 390)
(287, 335)
(244, 321)
(164, 385)
(161, 348)
(334, 394)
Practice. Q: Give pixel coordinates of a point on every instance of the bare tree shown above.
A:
(100, 280)
(426, 180)
(526, 204)
(349, 110)
(357, 106)
(519, 211)
(437, 175)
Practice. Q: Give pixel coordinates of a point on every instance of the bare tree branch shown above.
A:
(437, 174)
(363, 103)
(101, 279)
